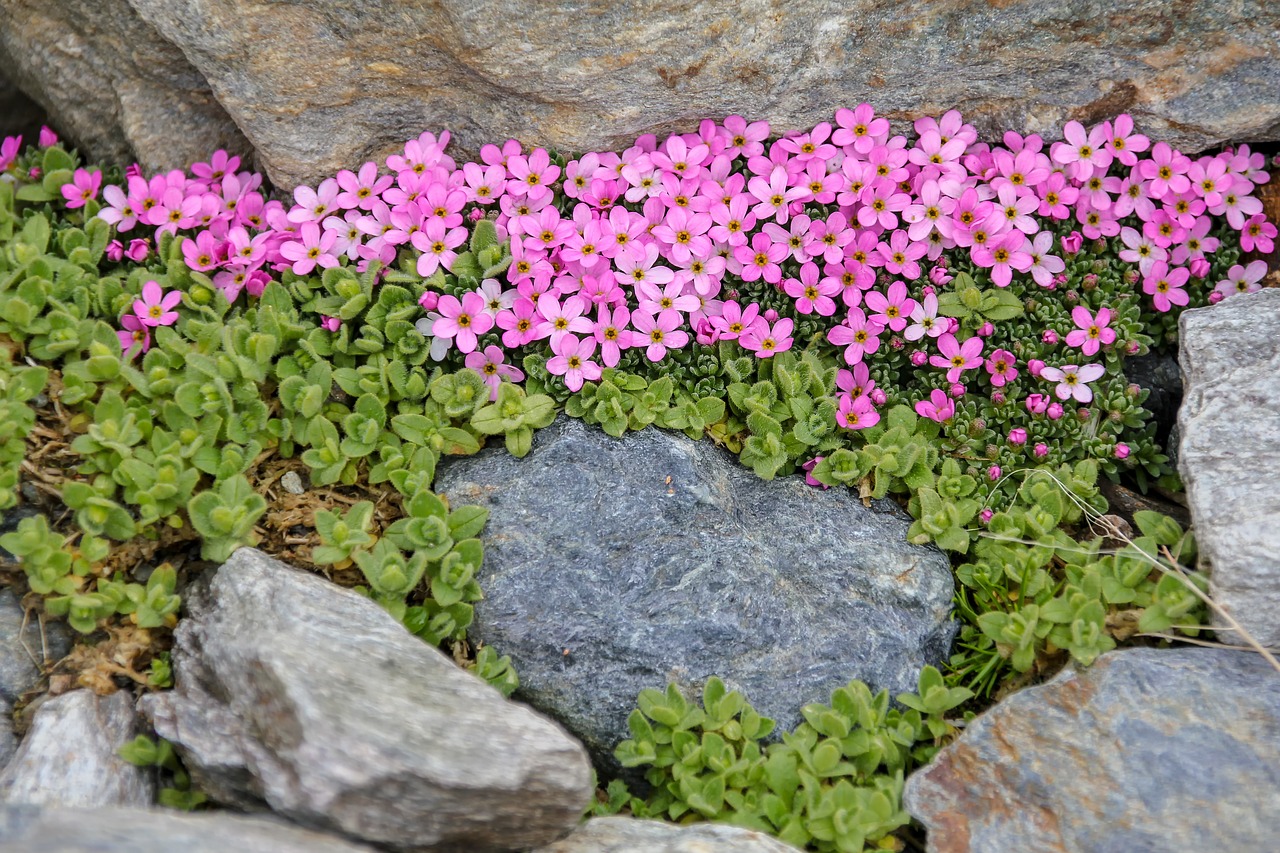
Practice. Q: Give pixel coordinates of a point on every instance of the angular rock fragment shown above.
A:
(629, 835)
(1146, 750)
(310, 699)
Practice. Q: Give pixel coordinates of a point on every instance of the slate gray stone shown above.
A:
(111, 84)
(8, 740)
(1159, 374)
(19, 115)
(613, 565)
(297, 694)
(1230, 451)
(629, 835)
(327, 84)
(68, 757)
(21, 650)
(25, 828)
(1148, 750)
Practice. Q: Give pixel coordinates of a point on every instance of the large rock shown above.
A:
(1230, 451)
(26, 644)
(127, 830)
(628, 835)
(69, 756)
(326, 84)
(112, 84)
(19, 115)
(293, 691)
(1146, 750)
(612, 565)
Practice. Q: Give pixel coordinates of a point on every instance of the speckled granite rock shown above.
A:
(1230, 452)
(628, 835)
(312, 698)
(1146, 750)
(68, 757)
(125, 830)
(612, 565)
(110, 82)
(326, 84)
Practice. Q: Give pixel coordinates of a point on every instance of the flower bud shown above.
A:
(115, 251)
(1090, 282)
(1122, 451)
(957, 390)
(919, 359)
(1199, 267)
(993, 473)
(137, 251)
(1041, 450)
(771, 315)
(47, 137)
(1054, 411)
(997, 397)
(986, 330)
(429, 300)
(1072, 243)
(1216, 297)
(1049, 336)
(1034, 366)
(1017, 435)
(1037, 403)
(985, 516)
(878, 396)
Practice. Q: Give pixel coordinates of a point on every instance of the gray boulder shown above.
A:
(296, 694)
(326, 84)
(112, 84)
(629, 835)
(25, 645)
(612, 565)
(69, 756)
(129, 830)
(1146, 750)
(1230, 440)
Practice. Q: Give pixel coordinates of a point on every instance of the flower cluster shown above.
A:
(731, 235)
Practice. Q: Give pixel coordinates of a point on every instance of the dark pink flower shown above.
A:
(939, 407)
(83, 186)
(155, 308)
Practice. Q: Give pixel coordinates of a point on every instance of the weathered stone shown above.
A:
(68, 757)
(1146, 750)
(326, 84)
(25, 828)
(110, 82)
(628, 835)
(1159, 374)
(311, 697)
(23, 650)
(8, 740)
(1230, 451)
(612, 565)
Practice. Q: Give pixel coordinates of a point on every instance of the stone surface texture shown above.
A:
(629, 835)
(68, 757)
(1146, 750)
(111, 84)
(1230, 452)
(27, 828)
(293, 691)
(613, 565)
(326, 84)
(24, 644)
(18, 113)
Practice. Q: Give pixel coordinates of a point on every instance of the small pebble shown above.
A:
(292, 483)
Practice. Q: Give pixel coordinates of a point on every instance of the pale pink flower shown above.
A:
(893, 308)
(1072, 380)
(812, 294)
(462, 320)
(572, 360)
(924, 321)
(660, 332)
(1258, 234)
(857, 334)
(612, 334)
(437, 242)
(490, 365)
(767, 340)
(312, 249)
(734, 320)
(1242, 279)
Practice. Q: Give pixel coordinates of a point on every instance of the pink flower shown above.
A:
(9, 150)
(202, 253)
(331, 324)
(1122, 450)
(48, 138)
(138, 250)
(957, 357)
(765, 340)
(900, 255)
(115, 251)
(84, 186)
(811, 293)
(1258, 234)
(857, 334)
(520, 323)
(135, 332)
(993, 473)
(661, 333)
(734, 320)
(155, 308)
(1003, 255)
(919, 358)
(1034, 366)
(1041, 450)
(1049, 336)
(462, 320)
(856, 412)
(1036, 403)
(611, 333)
(1000, 366)
(436, 241)
(1241, 279)
(312, 249)
(1164, 286)
(572, 360)
(892, 310)
(1072, 381)
(1072, 243)
(1054, 411)
(1091, 332)
(939, 407)
(1017, 435)
(1085, 153)
(761, 259)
